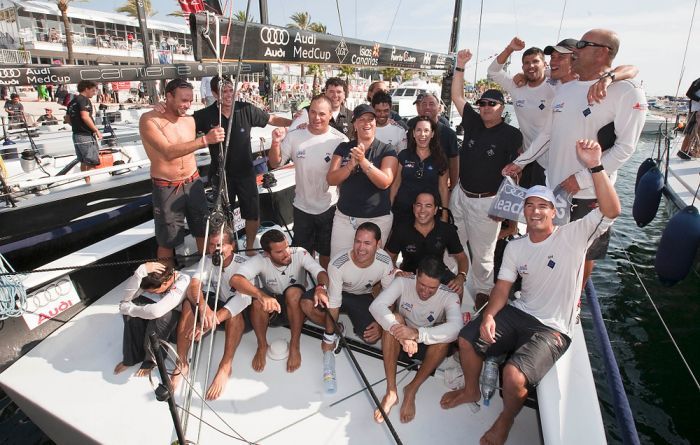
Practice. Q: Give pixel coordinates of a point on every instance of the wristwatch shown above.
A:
(461, 70)
(464, 274)
(609, 74)
(596, 169)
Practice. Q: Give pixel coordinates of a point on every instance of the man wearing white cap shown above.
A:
(537, 327)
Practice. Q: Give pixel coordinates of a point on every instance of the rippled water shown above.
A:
(660, 390)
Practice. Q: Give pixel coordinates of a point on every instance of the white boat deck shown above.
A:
(67, 387)
(684, 177)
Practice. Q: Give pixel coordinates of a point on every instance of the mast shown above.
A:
(446, 92)
(147, 56)
(266, 87)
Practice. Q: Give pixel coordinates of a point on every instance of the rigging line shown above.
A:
(478, 41)
(515, 13)
(696, 194)
(687, 43)
(653, 305)
(337, 7)
(561, 21)
(213, 427)
(393, 21)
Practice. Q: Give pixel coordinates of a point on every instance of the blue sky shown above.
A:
(653, 33)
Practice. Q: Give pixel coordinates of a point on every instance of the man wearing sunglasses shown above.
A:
(576, 117)
(489, 145)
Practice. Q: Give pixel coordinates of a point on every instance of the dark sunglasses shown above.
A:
(584, 43)
(490, 103)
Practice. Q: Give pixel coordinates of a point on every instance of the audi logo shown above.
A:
(50, 293)
(12, 72)
(274, 36)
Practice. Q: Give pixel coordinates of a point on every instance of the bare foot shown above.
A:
(259, 358)
(408, 407)
(294, 359)
(458, 397)
(121, 367)
(390, 399)
(498, 433)
(219, 383)
(143, 372)
(175, 379)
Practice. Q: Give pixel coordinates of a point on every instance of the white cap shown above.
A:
(278, 350)
(541, 191)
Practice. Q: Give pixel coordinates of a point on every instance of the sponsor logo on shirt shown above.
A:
(470, 143)
(411, 248)
(587, 112)
(558, 108)
(301, 153)
(327, 158)
(431, 316)
(522, 269)
(542, 106)
(640, 106)
(491, 151)
(519, 103)
(407, 306)
(551, 264)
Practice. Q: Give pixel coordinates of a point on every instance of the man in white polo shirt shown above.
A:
(311, 149)
(388, 131)
(537, 327)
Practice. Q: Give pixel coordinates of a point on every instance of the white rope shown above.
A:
(13, 296)
(561, 21)
(393, 21)
(687, 43)
(668, 331)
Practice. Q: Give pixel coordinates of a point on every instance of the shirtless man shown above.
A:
(170, 143)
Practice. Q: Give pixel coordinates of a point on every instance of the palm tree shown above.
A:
(63, 7)
(318, 27)
(316, 71)
(240, 16)
(347, 70)
(390, 73)
(129, 8)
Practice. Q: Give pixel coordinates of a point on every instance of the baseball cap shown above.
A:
(566, 46)
(493, 95)
(362, 109)
(540, 191)
(421, 96)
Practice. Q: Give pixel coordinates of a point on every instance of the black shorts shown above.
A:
(171, 204)
(313, 232)
(599, 248)
(281, 319)
(534, 347)
(86, 149)
(245, 189)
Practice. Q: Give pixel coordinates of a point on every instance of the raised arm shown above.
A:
(274, 155)
(590, 153)
(463, 57)
(167, 303)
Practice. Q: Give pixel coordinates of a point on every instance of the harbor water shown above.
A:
(660, 390)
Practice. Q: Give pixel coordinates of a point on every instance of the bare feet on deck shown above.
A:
(294, 359)
(219, 383)
(121, 367)
(175, 379)
(498, 433)
(458, 397)
(259, 358)
(390, 399)
(408, 407)
(143, 372)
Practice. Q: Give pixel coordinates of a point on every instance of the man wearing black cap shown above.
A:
(531, 102)
(363, 169)
(489, 145)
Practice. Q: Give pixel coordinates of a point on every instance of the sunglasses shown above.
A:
(584, 43)
(489, 103)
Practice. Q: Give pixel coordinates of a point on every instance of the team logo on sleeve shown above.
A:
(640, 107)
(407, 306)
(587, 112)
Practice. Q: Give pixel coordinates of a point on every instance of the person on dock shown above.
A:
(691, 140)
(489, 145)
(311, 149)
(48, 118)
(282, 271)
(536, 328)
(426, 319)
(426, 235)
(85, 132)
(353, 275)
(229, 307)
(363, 169)
(239, 170)
(574, 116)
(149, 304)
(170, 141)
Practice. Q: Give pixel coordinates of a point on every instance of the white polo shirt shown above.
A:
(345, 276)
(278, 278)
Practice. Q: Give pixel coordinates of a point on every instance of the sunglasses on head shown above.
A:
(489, 103)
(584, 43)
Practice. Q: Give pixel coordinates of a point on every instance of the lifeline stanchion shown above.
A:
(368, 385)
(163, 392)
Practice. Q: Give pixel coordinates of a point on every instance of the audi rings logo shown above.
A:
(50, 293)
(9, 72)
(274, 36)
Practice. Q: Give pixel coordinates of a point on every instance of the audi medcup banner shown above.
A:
(16, 75)
(268, 43)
